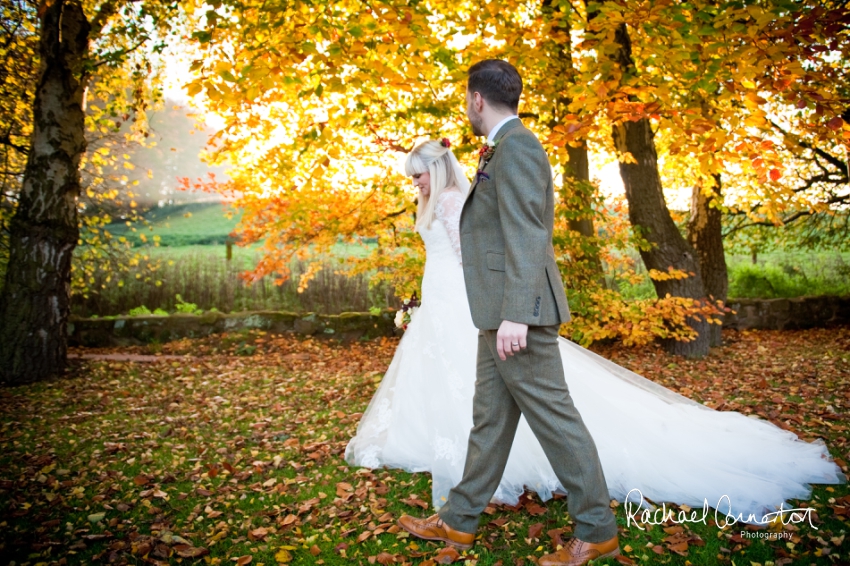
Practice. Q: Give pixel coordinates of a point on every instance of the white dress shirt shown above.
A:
(498, 127)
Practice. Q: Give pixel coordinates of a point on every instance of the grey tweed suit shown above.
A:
(511, 274)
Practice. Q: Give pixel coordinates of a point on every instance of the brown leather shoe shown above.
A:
(433, 528)
(577, 552)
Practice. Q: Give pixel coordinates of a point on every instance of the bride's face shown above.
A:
(423, 183)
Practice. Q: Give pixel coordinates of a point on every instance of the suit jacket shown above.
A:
(506, 237)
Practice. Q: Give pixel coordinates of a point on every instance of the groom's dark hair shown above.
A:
(497, 81)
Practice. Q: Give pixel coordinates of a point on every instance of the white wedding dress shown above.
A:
(649, 438)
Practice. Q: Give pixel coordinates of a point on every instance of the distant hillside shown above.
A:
(191, 224)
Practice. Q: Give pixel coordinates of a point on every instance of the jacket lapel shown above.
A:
(507, 127)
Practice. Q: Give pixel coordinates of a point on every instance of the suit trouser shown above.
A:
(531, 383)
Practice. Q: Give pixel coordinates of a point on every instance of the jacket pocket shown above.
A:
(495, 261)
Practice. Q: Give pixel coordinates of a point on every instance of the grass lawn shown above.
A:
(232, 454)
(199, 223)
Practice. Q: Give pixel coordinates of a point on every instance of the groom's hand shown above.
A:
(510, 338)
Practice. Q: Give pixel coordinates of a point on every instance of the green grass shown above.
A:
(775, 275)
(789, 274)
(189, 224)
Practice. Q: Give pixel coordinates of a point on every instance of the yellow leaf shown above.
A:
(283, 557)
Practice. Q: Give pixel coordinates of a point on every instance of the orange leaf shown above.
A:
(186, 551)
(447, 555)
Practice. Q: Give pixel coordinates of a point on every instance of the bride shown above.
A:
(652, 442)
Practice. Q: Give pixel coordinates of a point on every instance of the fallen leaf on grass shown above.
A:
(243, 560)
(187, 551)
(680, 548)
(557, 536)
(535, 530)
(414, 501)
(534, 509)
(283, 556)
(447, 555)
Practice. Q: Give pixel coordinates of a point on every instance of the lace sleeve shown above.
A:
(447, 210)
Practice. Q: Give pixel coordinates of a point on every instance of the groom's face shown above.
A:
(475, 118)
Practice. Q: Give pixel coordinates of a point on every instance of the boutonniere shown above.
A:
(486, 152)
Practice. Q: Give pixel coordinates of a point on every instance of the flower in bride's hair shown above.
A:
(445, 142)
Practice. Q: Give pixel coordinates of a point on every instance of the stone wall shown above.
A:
(776, 314)
(788, 314)
(124, 330)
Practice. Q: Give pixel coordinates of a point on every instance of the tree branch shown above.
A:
(119, 53)
(6, 140)
(843, 199)
(831, 159)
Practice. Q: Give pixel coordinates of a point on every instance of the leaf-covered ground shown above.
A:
(228, 450)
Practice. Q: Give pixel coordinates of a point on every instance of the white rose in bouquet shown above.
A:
(404, 315)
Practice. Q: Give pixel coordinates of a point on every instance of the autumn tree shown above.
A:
(321, 101)
(706, 82)
(74, 47)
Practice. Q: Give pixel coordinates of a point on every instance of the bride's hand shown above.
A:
(510, 338)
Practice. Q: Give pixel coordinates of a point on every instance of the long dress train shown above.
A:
(651, 439)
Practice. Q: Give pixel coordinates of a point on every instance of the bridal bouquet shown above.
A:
(405, 314)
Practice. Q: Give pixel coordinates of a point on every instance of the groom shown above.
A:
(518, 304)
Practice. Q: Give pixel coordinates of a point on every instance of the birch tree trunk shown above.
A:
(35, 299)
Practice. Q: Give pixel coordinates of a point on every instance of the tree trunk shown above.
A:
(706, 236)
(648, 212)
(35, 299)
(576, 172)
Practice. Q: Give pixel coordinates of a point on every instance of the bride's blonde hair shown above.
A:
(436, 159)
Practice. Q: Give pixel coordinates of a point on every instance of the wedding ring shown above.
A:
(514, 343)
